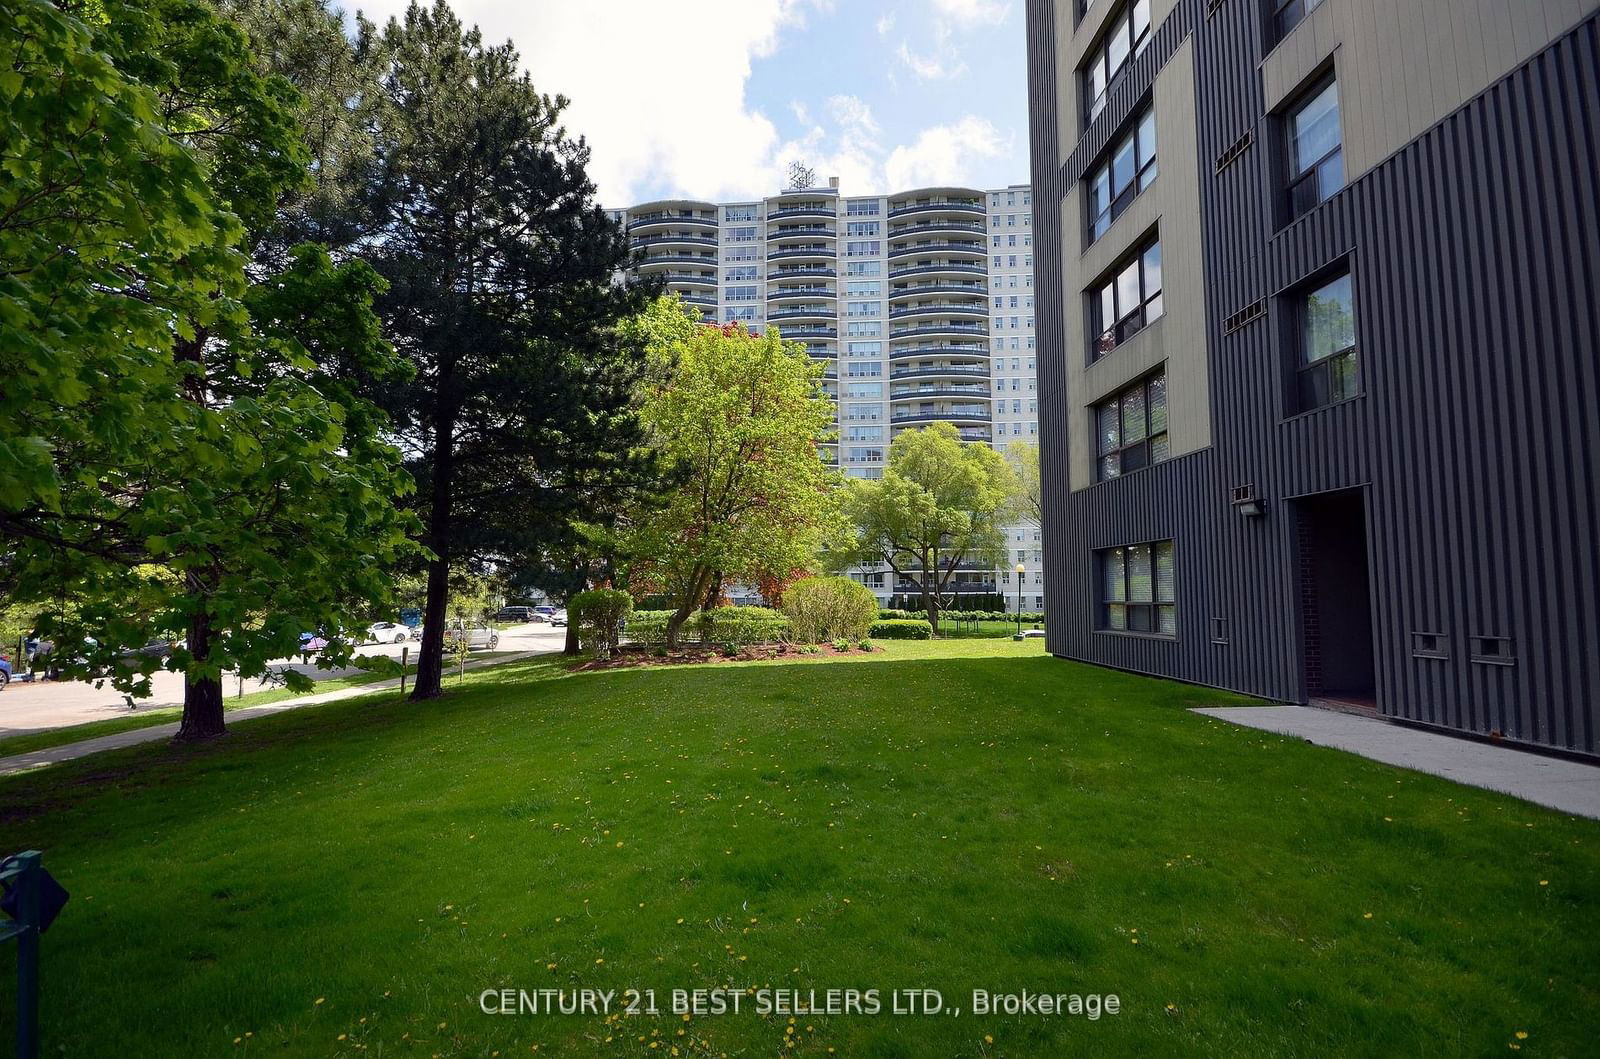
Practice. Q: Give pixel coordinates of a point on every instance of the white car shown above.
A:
(388, 632)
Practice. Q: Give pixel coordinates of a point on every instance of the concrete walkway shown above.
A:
(55, 755)
(1567, 786)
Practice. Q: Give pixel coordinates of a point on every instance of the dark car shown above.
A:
(514, 614)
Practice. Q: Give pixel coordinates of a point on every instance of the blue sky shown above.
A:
(712, 98)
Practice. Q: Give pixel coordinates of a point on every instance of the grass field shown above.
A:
(72, 733)
(347, 879)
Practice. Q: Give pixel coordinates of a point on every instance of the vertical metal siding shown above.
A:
(1475, 251)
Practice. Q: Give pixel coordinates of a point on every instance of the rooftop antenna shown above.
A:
(801, 176)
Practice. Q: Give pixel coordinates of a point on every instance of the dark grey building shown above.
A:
(1319, 350)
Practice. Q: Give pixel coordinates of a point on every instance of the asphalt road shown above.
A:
(37, 706)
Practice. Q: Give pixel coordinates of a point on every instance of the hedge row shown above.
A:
(901, 629)
(1029, 617)
(735, 625)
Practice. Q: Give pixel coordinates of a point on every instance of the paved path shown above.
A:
(1568, 786)
(34, 707)
(54, 755)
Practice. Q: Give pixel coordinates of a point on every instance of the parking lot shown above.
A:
(36, 706)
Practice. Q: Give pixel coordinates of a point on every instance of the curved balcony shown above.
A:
(690, 279)
(922, 290)
(646, 242)
(955, 202)
(940, 268)
(703, 300)
(942, 371)
(803, 253)
(659, 261)
(801, 272)
(968, 310)
(954, 351)
(943, 227)
(800, 331)
(946, 247)
(802, 312)
(967, 414)
(801, 233)
(929, 393)
(642, 226)
(776, 294)
(802, 213)
(942, 330)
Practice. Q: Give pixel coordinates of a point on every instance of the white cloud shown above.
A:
(943, 154)
(968, 12)
(659, 96)
(943, 64)
(885, 24)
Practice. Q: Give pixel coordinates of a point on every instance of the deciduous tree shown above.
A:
(940, 503)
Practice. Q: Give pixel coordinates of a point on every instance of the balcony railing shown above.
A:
(805, 331)
(980, 370)
(970, 206)
(813, 313)
(803, 271)
(965, 308)
(820, 210)
(922, 289)
(774, 293)
(942, 415)
(691, 277)
(801, 251)
(790, 231)
(940, 329)
(653, 240)
(676, 259)
(945, 350)
(931, 392)
(962, 267)
(977, 249)
(647, 219)
(936, 226)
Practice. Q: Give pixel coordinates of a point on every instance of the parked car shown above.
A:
(387, 632)
(478, 637)
(559, 619)
(547, 610)
(5, 671)
(514, 614)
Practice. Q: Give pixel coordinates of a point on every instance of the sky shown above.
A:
(711, 99)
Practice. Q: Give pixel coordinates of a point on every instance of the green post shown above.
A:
(20, 874)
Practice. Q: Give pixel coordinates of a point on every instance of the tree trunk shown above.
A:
(202, 696)
(713, 591)
(430, 656)
(571, 647)
(930, 597)
(697, 588)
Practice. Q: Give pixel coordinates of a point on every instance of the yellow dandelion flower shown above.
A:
(1522, 1035)
(986, 1040)
(1366, 915)
(320, 999)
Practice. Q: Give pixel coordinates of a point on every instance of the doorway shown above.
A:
(1336, 601)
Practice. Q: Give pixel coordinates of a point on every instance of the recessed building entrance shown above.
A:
(1335, 601)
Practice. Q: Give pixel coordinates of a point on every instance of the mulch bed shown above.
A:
(632, 656)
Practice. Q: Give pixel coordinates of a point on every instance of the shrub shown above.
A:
(902, 629)
(864, 645)
(829, 608)
(730, 650)
(598, 615)
(888, 614)
(647, 626)
(841, 645)
(741, 625)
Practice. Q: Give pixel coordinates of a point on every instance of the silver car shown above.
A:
(478, 637)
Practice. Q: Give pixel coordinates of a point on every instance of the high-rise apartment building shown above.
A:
(921, 304)
(1318, 335)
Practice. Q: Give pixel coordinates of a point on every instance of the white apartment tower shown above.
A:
(920, 303)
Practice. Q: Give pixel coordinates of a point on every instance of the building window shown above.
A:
(742, 272)
(1139, 589)
(1328, 371)
(862, 268)
(1290, 12)
(741, 235)
(1128, 171)
(1316, 155)
(861, 208)
(861, 228)
(1131, 428)
(739, 213)
(1129, 33)
(1127, 301)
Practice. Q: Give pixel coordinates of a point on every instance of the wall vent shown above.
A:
(1430, 645)
(1219, 630)
(1243, 494)
(1248, 315)
(1235, 150)
(1493, 650)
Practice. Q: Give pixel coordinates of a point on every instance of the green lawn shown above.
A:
(347, 879)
